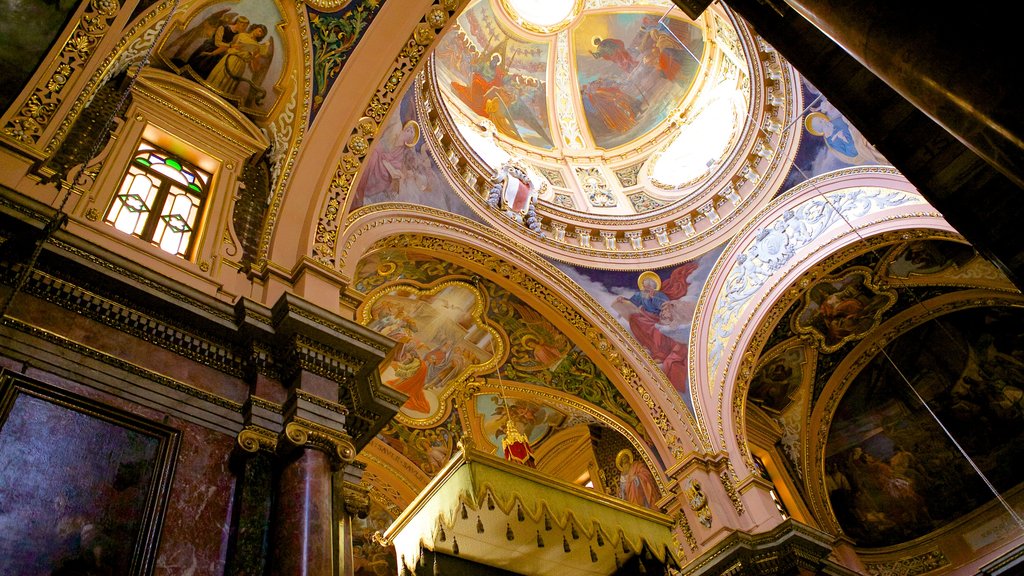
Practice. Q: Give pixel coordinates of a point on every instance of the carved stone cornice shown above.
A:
(789, 548)
(245, 340)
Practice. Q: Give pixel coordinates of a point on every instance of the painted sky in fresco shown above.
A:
(829, 142)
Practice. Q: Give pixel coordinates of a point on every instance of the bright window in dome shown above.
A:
(542, 13)
(700, 144)
(483, 144)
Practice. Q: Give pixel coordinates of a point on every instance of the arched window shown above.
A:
(160, 200)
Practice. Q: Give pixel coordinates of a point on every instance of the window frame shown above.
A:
(159, 203)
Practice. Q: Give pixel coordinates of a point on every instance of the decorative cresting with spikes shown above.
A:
(481, 510)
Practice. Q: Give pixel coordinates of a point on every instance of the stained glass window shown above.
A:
(160, 200)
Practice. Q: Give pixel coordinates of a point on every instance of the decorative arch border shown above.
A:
(827, 217)
(820, 418)
(536, 281)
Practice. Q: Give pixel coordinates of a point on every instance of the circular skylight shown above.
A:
(541, 15)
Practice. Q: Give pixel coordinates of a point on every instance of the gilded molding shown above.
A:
(142, 280)
(256, 438)
(356, 498)
(131, 321)
(660, 235)
(120, 58)
(301, 433)
(753, 353)
(683, 525)
(729, 480)
(866, 352)
(25, 128)
(920, 564)
(362, 136)
(120, 364)
(318, 401)
(471, 250)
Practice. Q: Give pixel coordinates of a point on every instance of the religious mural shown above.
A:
(539, 353)
(777, 380)
(370, 558)
(429, 449)
(923, 257)
(234, 48)
(636, 483)
(840, 309)
(496, 75)
(830, 142)
(892, 473)
(655, 307)
(534, 420)
(399, 167)
(442, 340)
(631, 70)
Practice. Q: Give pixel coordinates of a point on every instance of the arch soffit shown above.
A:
(771, 253)
(342, 134)
(820, 417)
(534, 280)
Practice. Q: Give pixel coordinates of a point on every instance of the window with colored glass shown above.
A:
(160, 200)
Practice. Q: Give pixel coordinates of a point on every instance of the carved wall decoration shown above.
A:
(698, 501)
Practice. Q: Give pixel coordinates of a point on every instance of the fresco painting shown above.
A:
(892, 474)
(774, 383)
(656, 307)
(636, 483)
(334, 36)
(539, 353)
(829, 141)
(496, 76)
(838, 310)
(399, 167)
(442, 339)
(534, 420)
(631, 69)
(370, 558)
(234, 48)
(430, 448)
(923, 257)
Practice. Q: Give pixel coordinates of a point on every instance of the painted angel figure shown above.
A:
(244, 63)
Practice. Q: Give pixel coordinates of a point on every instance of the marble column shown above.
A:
(302, 528)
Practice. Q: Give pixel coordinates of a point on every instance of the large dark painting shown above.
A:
(892, 473)
(82, 486)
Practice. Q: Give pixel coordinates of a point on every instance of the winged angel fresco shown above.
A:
(228, 53)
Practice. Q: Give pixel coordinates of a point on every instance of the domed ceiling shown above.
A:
(644, 134)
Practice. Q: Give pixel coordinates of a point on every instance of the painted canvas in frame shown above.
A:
(83, 486)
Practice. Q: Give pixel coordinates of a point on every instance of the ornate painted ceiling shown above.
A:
(721, 268)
